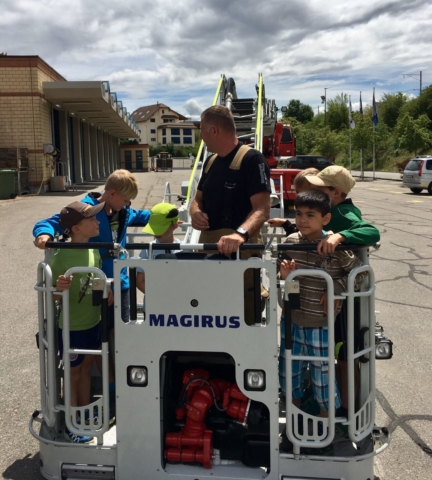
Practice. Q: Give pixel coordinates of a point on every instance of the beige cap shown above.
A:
(334, 176)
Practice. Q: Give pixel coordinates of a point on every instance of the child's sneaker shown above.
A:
(72, 437)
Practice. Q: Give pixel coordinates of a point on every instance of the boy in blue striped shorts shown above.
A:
(309, 323)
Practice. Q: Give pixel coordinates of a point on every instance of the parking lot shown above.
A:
(404, 300)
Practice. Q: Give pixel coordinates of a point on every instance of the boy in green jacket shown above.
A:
(346, 218)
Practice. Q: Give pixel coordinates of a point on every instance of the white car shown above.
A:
(417, 175)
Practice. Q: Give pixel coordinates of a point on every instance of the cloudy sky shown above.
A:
(174, 51)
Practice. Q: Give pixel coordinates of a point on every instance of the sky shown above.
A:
(174, 51)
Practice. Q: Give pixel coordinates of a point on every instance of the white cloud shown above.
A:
(175, 55)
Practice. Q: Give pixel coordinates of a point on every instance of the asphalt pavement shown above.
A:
(404, 283)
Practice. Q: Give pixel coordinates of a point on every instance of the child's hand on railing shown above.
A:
(63, 283)
(286, 267)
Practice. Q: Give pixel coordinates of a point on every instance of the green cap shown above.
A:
(162, 216)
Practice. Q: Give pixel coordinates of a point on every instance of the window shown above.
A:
(187, 140)
(163, 111)
(153, 139)
(152, 130)
(187, 131)
(166, 121)
(153, 120)
(429, 165)
(128, 156)
(164, 140)
(175, 140)
(322, 161)
(286, 136)
(163, 131)
(175, 131)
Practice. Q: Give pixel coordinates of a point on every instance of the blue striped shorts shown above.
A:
(310, 341)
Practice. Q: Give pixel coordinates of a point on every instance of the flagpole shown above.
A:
(373, 144)
(350, 128)
(361, 149)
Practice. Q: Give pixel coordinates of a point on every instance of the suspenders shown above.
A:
(227, 203)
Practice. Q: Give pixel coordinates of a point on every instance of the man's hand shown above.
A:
(230, 243)
(200, 220)
(276, 222)
(323, 301)
(329, 243)
(63, 283)
(41, 240)
(286, 267)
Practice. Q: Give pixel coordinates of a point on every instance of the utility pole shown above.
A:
(415, 76)
(324, 100)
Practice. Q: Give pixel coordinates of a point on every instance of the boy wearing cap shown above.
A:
(346, 219)
(79, 221)
(121, 187)
(162, 224)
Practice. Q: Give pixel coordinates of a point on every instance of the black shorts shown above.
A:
(341, 333)
(89, 339)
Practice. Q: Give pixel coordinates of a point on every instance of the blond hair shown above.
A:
(123, 182)
(300, 181)
(219, 116)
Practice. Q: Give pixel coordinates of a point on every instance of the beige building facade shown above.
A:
(160, 125)
(135, 157)
(83, 120)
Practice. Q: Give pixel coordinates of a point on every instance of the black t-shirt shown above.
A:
(226, 193)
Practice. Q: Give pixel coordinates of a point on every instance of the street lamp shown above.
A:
(415, 77)
(324, 100)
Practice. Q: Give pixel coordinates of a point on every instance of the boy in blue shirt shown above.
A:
(121, 187)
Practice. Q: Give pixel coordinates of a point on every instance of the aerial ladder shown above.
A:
(197, 390)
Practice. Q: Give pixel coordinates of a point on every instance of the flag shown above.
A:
(374, 110)
(351, 120)
(361, 105)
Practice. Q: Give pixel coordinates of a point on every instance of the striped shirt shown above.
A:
(337, 265)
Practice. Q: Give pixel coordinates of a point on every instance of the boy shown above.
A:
(121, 187)
(309, 327)
(162, 224)
(348, 227)
(300, 185)
(79, 221)
(346, 219)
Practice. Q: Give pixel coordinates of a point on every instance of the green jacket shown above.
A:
(347, 220)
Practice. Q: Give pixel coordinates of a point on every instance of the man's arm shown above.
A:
(259, 214)
(199, 218)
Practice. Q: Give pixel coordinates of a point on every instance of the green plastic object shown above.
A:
(7, 184)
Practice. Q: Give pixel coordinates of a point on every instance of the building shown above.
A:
(83, 120)
(135, 157)
(160, 125)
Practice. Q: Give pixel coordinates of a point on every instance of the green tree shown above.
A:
(338, 112)
(300, 111)
(390, 106)
(413, 135)
(362, 134)
(329, 143)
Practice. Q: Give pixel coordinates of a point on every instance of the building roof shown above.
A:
(94, 102)
(142, 114)
(177, 125)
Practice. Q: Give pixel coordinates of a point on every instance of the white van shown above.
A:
(418, 174)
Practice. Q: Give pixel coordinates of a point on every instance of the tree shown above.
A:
(413, 135)
(302, 112)
(362, 134)
(329, 143)
(338, 112)
(390, 106)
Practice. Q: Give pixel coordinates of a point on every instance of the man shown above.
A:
(233, 196)
(232, 201)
